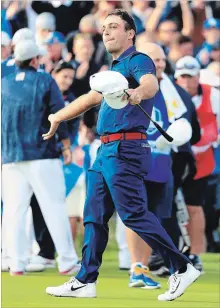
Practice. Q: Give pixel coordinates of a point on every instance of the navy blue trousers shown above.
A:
(116, 182)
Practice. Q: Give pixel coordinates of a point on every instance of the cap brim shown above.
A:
(186, 72)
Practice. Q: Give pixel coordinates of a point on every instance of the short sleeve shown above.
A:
(140, 65)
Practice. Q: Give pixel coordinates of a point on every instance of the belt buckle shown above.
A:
(106, 139)
(123, 136)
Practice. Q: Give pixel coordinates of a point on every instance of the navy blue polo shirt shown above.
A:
(132, 65)
(28, 97)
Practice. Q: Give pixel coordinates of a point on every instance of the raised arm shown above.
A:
(73, 110)
(187, 17)
(153, 20)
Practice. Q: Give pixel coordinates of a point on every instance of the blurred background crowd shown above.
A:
(69, 35)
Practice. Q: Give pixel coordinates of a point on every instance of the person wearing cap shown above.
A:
(8, 66)
(116, 179)
(43, 238)
(45, 25)
(211, 33)
(159, 181)
(206, 101)
(55, 45)
(5, 46)
(30, 165)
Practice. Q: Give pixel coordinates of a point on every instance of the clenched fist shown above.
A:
(134, 96)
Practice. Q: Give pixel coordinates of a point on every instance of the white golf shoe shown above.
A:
(178, 283)
(47, 263)
(73, 288)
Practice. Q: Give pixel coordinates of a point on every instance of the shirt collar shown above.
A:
(125, 54)
(28, 68)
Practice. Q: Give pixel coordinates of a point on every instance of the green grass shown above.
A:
(112, 289)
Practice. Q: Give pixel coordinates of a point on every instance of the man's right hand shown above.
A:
(54, 123)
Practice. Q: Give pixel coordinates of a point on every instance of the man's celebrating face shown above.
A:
(116, 36)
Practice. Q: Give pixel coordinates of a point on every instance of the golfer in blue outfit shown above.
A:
(116, 179)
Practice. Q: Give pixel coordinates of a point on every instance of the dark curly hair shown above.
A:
(129, 21)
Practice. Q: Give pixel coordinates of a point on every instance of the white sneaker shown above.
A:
(73, 288)
(178, 283)
(47, 263)
(32, 267)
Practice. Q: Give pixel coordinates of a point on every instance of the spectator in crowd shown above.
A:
(63, 74)
(31, 165)
(67, 13)
(5, 46)
(45, 25)
(206, 101)
(45, 258)
(103, 9)
(8, 66)
(167, 31)
(88, 25)
(159, 182)
(16, 15)
(83, 49)
(56, 50)
(211, 33)
(182, 47)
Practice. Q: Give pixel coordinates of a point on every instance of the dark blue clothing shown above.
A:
(116, 182)
(8, 66)
(160, 170)
(133, 65)
(160, 198)
(116, 179)
(28, 97)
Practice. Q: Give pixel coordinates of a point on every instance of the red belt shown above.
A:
(122, 136)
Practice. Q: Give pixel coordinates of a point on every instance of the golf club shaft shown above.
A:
(161, 130)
